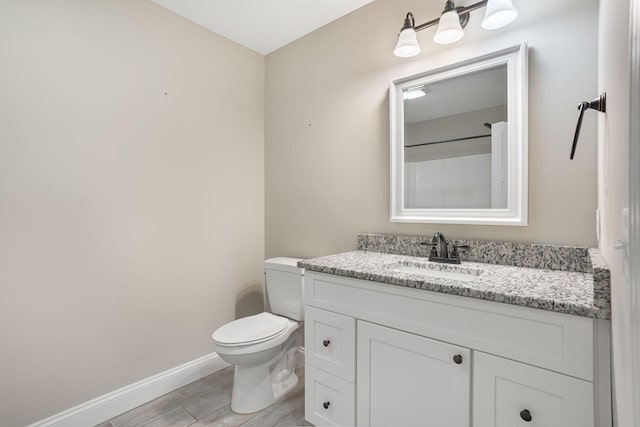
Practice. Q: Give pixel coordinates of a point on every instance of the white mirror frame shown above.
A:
(515, 57)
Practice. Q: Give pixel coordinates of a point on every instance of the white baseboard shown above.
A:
(115, 403)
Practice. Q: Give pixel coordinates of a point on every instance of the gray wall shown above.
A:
(131, 196)
(451, 127)
(327, 125)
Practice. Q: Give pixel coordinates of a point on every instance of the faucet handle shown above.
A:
(454, 252)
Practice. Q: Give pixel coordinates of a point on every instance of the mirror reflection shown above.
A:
(456, 142)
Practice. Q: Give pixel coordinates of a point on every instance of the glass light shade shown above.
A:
(498, 14)
(449, 29)
(407, 44)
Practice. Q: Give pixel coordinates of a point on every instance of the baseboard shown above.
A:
(115, 403)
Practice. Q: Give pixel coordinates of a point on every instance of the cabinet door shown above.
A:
(512, 394)
(408, 380)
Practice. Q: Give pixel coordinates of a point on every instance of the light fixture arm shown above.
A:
(463, 13)
(409, 22)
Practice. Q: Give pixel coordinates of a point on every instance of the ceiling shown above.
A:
(470, 92)
(262, 25)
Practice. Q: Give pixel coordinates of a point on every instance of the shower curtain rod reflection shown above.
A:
(448, 140)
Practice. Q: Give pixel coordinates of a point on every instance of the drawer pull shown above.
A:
(526, 415)
(457, 359)
(326, 404)
(326, 343)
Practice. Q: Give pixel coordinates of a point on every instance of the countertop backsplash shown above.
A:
(528, 255)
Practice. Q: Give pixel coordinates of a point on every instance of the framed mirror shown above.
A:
(459, 142)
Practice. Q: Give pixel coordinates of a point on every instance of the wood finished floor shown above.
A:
(206, 402)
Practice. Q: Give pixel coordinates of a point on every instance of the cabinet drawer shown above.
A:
(330, 342)
(555, 341)
(510, 394)
(328, 400)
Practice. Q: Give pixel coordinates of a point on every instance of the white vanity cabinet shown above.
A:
(380, 355)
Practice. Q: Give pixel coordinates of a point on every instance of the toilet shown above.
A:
(262, 346)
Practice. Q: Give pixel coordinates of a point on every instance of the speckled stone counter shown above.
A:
(531, 255)
(578, 284)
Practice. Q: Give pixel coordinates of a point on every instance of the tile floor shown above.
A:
(206, 402)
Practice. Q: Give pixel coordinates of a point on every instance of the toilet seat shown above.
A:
(250, 330)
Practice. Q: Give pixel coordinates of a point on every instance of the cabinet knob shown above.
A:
(526, 415)
(326, 404)
(457, 359)
(326, 343)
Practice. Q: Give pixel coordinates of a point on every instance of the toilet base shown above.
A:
(258, 386)
(253, 390)
(280, 389)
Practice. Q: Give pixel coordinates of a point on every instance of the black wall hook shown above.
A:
(600, 104)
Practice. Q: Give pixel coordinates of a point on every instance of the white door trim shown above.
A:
(633, 252)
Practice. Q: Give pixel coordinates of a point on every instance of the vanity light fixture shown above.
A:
(498, 14)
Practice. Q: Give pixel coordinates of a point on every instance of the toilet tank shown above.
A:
(285, 287)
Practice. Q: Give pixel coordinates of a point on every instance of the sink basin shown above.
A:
(431, 269)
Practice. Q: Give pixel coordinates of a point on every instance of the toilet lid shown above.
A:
(249, 329)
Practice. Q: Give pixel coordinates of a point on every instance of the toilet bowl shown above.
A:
(263, 347)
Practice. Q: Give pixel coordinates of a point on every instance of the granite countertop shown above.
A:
(581, 293)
